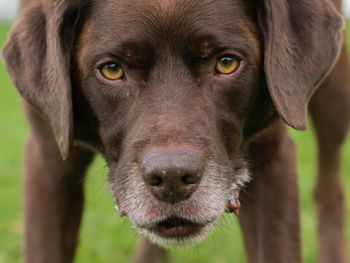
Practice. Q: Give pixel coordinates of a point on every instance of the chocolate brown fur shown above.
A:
(172, 100)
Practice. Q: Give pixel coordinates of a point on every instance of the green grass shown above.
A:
(104, 236)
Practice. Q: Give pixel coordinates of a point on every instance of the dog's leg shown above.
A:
(53, 197)
(270, 203)
(149, 253)
(330, 110)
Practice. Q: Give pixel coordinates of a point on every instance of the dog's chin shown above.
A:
(177, 232)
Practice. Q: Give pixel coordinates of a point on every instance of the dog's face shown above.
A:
(171, 89)
(171, 92)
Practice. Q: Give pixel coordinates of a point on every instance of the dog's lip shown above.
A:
(175, 227)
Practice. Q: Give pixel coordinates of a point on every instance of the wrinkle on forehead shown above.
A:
(114, 21)
(165, 5)
(159, 12)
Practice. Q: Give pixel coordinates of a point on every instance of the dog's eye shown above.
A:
(227, 65)
(112, 71)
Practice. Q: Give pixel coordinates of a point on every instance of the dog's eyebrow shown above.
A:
(132, 53)
(202, 46)
(207, 45)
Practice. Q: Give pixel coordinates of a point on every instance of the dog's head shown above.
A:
(171, 92)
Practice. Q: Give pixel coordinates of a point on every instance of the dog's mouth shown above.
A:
(176, 232)
(176, 227)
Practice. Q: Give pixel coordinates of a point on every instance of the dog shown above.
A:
(188, 102)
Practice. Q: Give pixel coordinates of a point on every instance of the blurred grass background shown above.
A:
(104, 236)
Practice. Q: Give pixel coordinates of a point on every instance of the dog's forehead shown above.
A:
(171, 21)
(163, 11)
(128, 17)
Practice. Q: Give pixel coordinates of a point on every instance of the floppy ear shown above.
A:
(302, 42)
(37, 55)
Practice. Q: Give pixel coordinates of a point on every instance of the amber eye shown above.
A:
(226, 65)
(112, 71)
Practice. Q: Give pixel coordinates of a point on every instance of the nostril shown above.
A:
(189, 179)
(155, 180)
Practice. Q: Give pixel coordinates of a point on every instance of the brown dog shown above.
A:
(184, 100)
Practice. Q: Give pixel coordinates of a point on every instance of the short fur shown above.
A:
(172, 98)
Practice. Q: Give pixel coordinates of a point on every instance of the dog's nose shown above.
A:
(172, 175)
